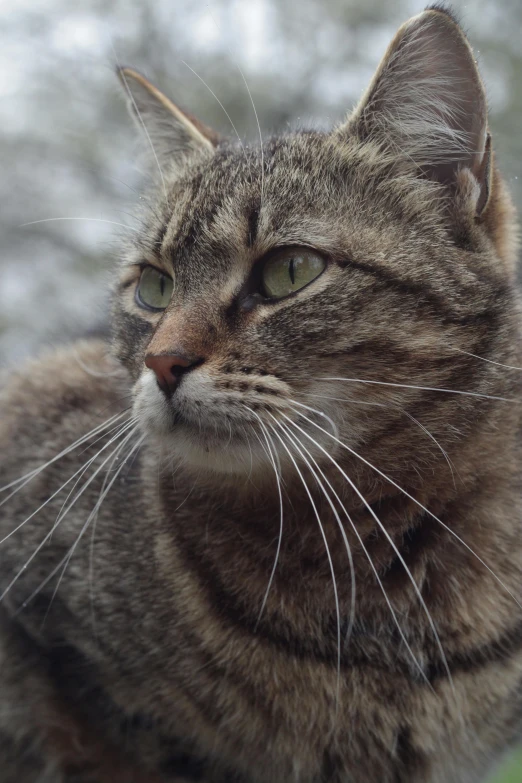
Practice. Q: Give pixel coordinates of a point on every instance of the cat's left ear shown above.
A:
(426, 103)
(169, 132)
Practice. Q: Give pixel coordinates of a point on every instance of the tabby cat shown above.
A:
(274, 534)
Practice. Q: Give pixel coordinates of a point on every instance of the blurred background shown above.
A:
(68, 151)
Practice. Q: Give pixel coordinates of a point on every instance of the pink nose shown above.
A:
(169, 368)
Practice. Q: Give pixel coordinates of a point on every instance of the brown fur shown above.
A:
(151, 659)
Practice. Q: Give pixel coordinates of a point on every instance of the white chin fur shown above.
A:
(234, 459)
(211, 452)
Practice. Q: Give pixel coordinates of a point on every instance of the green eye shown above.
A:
(154, 289)
(290, 270)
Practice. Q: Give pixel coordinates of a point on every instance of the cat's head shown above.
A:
(268, 282)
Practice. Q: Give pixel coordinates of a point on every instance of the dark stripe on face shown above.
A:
(131, 324)
(253, 220)
(188, 231)
(201, 210)
(126, 284)
(376, 347)
(463, 374)
(130, 334)
(423, 295)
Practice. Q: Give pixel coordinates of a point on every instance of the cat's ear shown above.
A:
(169, 132)
(427, 104)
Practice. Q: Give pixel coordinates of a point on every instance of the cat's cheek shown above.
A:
(149, 406)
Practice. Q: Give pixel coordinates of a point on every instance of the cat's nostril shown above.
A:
(169, 368)
(177, 370)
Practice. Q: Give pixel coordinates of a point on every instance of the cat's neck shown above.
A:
(242, 519)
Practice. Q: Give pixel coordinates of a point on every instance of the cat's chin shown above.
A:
(234, 459)
(211, 450)
(232, 456)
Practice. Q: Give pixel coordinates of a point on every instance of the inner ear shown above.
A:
(170, 131)
(426, 101)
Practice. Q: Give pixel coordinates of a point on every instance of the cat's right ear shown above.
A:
(169, 132)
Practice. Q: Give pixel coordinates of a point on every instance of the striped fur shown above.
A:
(139, 642)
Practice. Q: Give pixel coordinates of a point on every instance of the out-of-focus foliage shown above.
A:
(68, 149)
(511, 772)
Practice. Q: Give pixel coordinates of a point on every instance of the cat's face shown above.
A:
(260, 279)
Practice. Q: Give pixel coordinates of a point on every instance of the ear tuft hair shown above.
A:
(444, 8)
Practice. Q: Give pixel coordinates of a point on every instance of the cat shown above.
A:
(273, 535)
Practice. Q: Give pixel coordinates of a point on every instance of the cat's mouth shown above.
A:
(206, 446)
(203, 429)
(212, 435)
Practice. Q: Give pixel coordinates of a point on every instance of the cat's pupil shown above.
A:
(162, 285)
(292, 270)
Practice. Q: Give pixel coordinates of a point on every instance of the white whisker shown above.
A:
(278, 480)
(342, 399)
(121, 429)
(27, 477)
(65, 561)
(94, 513)
(217, 99)
(388, 537)
(389, 407)
(57, 522)
(191, 490)
(301, 447)
(121, 72)
(375, 572)
(420, 505)
(424, 388)
(89, 370)
(255, 113)
(482, 359)
(328, 555)
(95, 220)
(433, 438)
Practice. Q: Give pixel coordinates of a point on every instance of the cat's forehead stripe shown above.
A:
(253, 224)
(223, 201)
